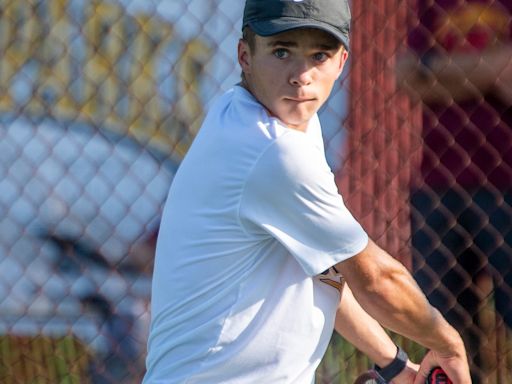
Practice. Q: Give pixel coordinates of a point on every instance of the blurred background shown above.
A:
(99, 101)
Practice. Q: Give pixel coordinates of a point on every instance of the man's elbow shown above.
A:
(386, 284)
(375, 276)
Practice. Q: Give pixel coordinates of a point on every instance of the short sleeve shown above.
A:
(291, 195)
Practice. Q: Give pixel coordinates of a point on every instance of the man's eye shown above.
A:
(281, 53)
(320, 56)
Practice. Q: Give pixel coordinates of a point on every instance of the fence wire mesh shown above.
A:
(99, 101)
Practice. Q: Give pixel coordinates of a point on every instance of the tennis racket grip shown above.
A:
(438, 376)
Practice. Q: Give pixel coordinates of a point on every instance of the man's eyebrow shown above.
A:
(282, 43)
(293, 44)
(327, 46)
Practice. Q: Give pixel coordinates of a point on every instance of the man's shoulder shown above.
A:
(237, 119)
(290, 160)
(237, 96)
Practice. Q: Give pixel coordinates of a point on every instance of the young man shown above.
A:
(255, 237)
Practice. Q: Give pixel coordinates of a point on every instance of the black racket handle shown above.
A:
(438, 376)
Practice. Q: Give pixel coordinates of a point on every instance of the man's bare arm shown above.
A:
(389, 294)
(367, 335)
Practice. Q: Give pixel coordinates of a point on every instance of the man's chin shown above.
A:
(295, 117)
(299, 124)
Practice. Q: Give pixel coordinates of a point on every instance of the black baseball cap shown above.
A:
(269, 17)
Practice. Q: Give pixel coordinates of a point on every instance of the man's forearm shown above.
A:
(387, 291)
(368, 336)
(363, 331)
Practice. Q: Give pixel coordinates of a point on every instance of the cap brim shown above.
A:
(273, 27)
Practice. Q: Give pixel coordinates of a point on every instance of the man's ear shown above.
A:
(244, 56)
(343, 61)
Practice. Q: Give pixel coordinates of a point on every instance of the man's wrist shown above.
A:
(394, 368)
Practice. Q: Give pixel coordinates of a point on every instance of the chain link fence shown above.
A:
(99, 101)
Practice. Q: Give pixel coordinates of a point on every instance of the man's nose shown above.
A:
(301, 74)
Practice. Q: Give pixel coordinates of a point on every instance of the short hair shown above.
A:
(249, 36)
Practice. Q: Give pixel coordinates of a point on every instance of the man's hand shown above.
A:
(455, 366)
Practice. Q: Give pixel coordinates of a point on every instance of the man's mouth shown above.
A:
(300, 99)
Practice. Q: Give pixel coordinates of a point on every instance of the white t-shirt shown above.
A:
(253, 216)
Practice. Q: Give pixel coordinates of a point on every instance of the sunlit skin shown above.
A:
(292, 73)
